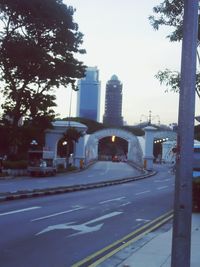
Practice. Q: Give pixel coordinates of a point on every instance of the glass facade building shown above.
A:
(113, 102)
(88, 98)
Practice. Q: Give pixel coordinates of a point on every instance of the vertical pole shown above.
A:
(181, 241)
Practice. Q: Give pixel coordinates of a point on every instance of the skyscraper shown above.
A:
(88, 98)
(113, 102)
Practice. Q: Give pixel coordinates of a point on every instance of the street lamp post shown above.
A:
(181, 241)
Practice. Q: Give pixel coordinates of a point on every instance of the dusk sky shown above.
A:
(119, 40)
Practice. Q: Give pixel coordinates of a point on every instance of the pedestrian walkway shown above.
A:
(155, 251)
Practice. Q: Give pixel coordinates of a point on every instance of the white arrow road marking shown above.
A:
(18, 211)
(110, 200)
(81, 228)
(56, 214)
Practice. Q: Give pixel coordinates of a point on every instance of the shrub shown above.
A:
(21, 164)
(71, 168)
(60, 167)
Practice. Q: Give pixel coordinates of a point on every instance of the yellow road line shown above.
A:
(161, 220)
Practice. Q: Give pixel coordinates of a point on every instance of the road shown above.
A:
(101, 171)
(63, 229)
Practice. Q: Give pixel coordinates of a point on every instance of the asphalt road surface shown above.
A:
(61, 230)
(101, 171)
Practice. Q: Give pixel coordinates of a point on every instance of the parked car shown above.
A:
(115, 159)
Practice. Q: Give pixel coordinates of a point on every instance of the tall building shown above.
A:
(113, 102)
(88, 98)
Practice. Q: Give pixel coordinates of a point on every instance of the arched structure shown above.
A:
(134, 149)
(53, 136)
(166, 147)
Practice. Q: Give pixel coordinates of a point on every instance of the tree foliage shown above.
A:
(170, 13)
(38, 44)
(72, 134)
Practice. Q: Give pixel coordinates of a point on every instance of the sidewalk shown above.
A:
(155, 249)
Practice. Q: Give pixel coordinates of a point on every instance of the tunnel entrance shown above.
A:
(112, 146)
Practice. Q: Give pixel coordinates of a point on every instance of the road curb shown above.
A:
(70, 189)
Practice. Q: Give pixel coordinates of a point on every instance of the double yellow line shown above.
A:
(100, 256)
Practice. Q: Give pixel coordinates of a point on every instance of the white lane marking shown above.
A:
(161, 181)
(144, 192)
(81, 228)
(110, 200)
(90, 175)
(56, 214)
(142, 220)
(106, 169)
(18, 211)
(162, 187)
(125, 204)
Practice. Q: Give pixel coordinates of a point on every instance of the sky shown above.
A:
(119, 40)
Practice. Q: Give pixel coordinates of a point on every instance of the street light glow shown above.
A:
(64, 143)
(113, 138)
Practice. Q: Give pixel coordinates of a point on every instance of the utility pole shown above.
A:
(181, 241)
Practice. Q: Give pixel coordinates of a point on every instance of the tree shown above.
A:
(38, 44)
(170, 13)
(72, 134)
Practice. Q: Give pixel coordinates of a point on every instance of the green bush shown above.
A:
(3, 174)
(71, 168)
(60, 167)
(21, 164)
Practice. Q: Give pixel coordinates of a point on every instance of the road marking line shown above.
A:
(161, 181)
(83, 228)
(109, 215)
(162, 187)
(124, 204)
(144, 192)
(18, 211)
(55, 214)
(95, 264)
(142, 220)
(110, 200)
(147, 229)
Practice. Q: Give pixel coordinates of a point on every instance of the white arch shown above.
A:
(52, 136)
(134, 149)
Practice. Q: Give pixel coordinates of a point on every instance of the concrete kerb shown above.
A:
(70, 189)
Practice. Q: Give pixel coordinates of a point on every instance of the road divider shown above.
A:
(68, 189)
